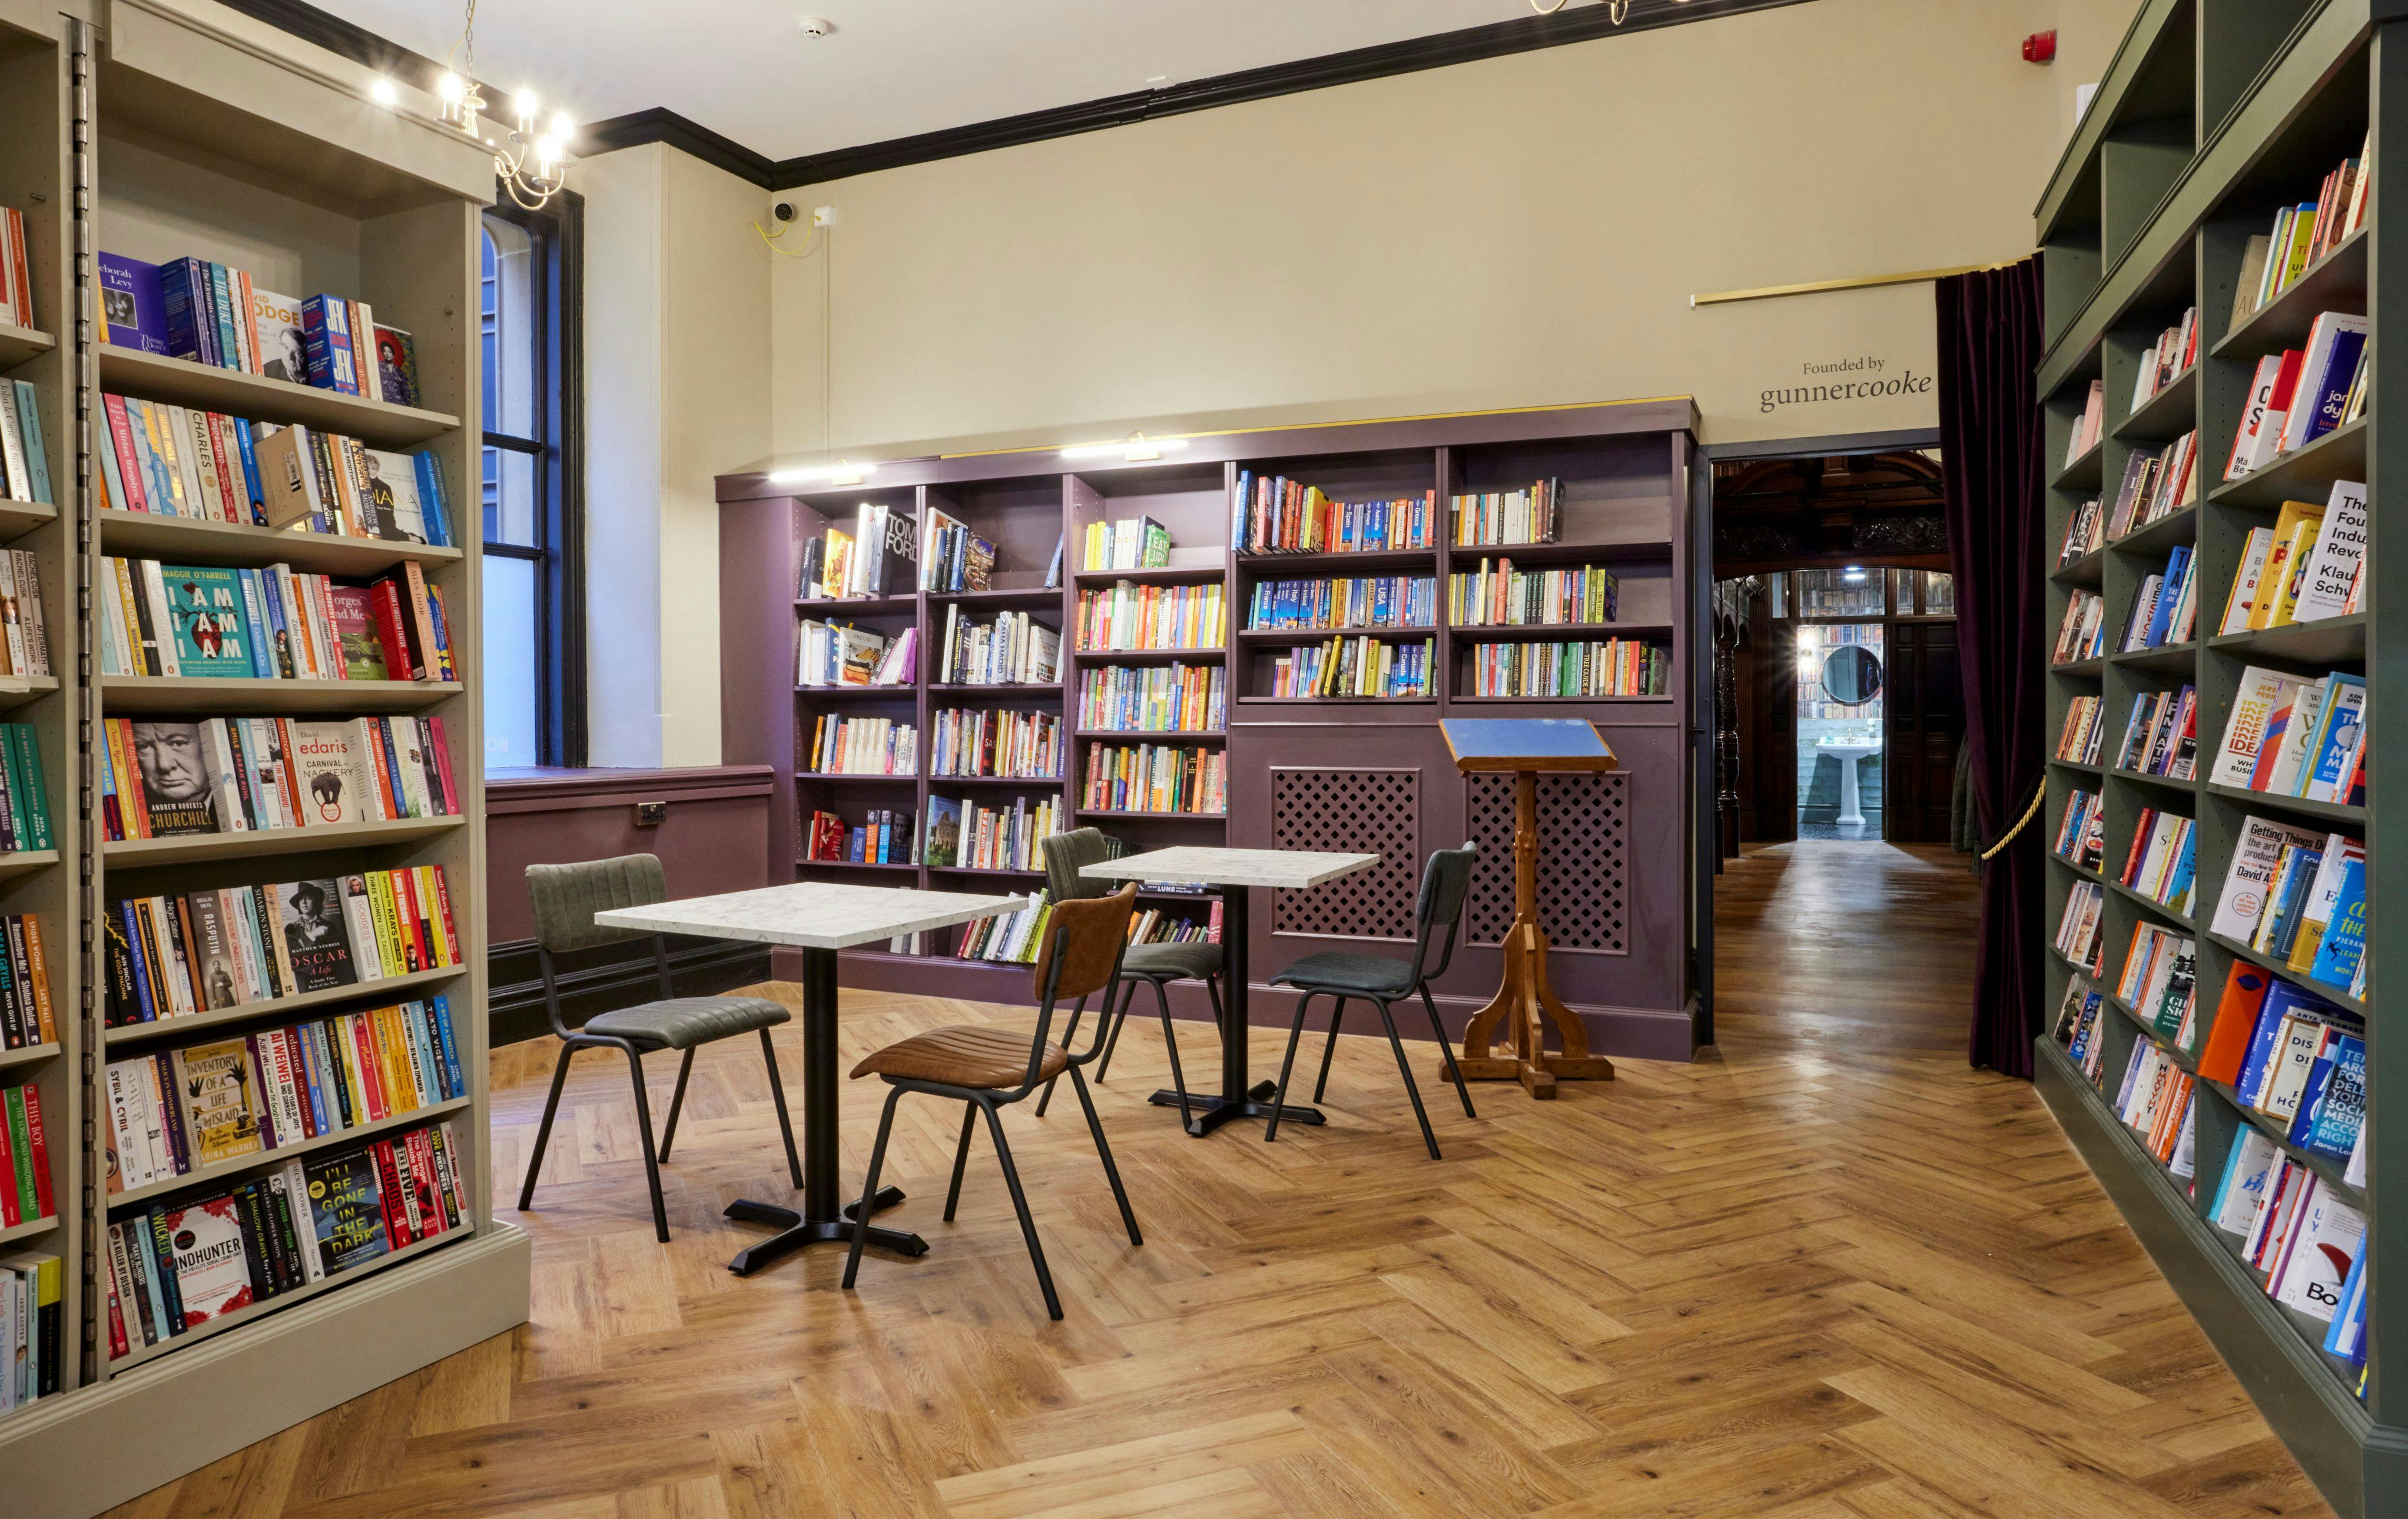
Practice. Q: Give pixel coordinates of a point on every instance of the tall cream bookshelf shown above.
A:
(182, 129)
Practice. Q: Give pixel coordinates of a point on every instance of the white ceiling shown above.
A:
(892, 67)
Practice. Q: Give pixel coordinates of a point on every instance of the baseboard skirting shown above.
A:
(1628, 1033)
(615, 976)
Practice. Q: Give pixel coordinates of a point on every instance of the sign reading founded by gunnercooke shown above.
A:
(1845, 380)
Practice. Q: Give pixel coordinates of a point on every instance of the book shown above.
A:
(132, 306)
(397, 361)
(317, 937)
(210, 1260)
(276, 338)
(2328, 574)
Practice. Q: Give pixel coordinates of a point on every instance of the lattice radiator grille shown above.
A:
(1584, 860)
(1358, 811)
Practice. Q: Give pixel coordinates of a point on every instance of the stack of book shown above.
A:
(842, 654)
(1273, 514)
(2161, 736)
(176, 1267)
(270, 624)
(1009, 837)
(207, 313)
(863, 746)
(1154, 699)
(2166, 610)
(2167, 359)
(1498, 595)
(2305, 568)
(884, 837)
(2160, 864)
(1125, 543)
(2081, 931)
(1356, 667)
(1013, 648)
(1129, 618)
(1012, 939)
(1365, 601)
(2089, 426)
(32, 1334)
(1613, 667)
(2078, 741)
(2298, 898)
(26, 1016)
(952, 558)
(2082, 832)
(171, 461)
(1025, 746)
(207, 951)
(2082, 635)
(1156, 778)
(2300, 394)
(1503, 517)
(2305, 1240)
(2155, 1103)
(2273, 260)
(880, 557)
(2085, 533)
(181, 1110)
(2158, 482)
(25, 1195)
(162, 778)
(2159, 981)
(2293, 736)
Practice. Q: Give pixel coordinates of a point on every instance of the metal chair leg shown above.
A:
(777, 1095)
(1405, 1066)
(1453, 1071)
(1120, 1021)
(961, 1159)
(1112, 1172)
(1170, 1042)
(870, 1188)
(1070, 1032)
(1295, 1034)
(543, 1131)
(651, 1161)
(1337, 1016)
(1020, 1205)
(676, 1104)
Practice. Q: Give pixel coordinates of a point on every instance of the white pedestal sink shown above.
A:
(1852, 809)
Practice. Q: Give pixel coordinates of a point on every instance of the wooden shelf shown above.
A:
(2304, 474)
(241, 1316)
(853, 693)
(16, 862)
(2167, 658)
(130, 852)
(1555, 632)
(397, 988)
(216, 695)
(1163, 817)
(2332, 640)
(18, 518)
(2335, 282)
(16, 690)
(905, 776)
(2165, 416)
(958, 689)
(2338, 996)
(2079, 666)
(2150, 904)
(1151, 734)
(155, 377)
(1151, 656)
(28, 1229)
(263, 1159)
(1318, 635)
(2187, 788)
(2082, 766)
(1040, 782)
(1036, 599)
(2321, 811)
(2176, 527)
(18, 344)
(1466, 556)
(984, 871)
(2083, 871)
(181, 540)
(27, 1054)
(1462, 701)
(1283, 567)
(857, 605)
(2088, 571)
(2084, 473)
(1167, 575)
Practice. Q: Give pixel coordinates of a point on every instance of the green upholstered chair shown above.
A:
(1067, 854)
(1384, 981)
(566, 898)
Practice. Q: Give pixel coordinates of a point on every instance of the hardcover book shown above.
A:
(175, 772)
(205, 611)
(276, 334)
(326, 771)
(354, 618)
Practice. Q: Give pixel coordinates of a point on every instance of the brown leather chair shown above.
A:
(990, 1068)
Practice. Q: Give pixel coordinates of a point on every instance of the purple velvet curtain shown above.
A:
(1990, 463)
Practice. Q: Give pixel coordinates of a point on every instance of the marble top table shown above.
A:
(1235, 871)
(820, 918)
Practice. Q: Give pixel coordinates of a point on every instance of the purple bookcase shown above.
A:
(1371, 775)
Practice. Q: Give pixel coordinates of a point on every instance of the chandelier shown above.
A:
(532, 164)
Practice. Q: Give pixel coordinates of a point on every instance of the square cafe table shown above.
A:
(1234, 870)
(821, 918)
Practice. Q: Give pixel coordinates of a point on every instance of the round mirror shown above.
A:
(1852, 675)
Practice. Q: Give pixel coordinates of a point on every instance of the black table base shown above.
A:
(1213, 1111)
(1240, 1095)
(824, 1218)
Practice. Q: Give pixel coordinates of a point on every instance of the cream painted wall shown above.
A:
(2088, 33)
(676, 335)
(1514, 232)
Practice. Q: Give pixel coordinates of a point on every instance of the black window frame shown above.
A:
(557, 298)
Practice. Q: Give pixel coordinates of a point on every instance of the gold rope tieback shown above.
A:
(2038, 797)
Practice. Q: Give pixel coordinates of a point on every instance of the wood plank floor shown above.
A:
(1825, 1272)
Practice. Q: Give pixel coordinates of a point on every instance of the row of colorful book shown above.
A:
(164, 460)
(1154, 699)
(270, 624)
(862, 746)
(162, 777)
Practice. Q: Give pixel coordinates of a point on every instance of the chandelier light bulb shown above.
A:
(382, 92)
(526, 106)
(451, 89)
(562, 127)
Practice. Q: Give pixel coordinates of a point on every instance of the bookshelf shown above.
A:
(2214, 115)
(187, 129)
(1299, 771)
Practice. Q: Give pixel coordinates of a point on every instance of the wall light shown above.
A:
(1136, 449)
(1853, 574)
(839, 473)
(382, 92)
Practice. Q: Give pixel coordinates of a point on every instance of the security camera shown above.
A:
(783, 210)
(816, 26)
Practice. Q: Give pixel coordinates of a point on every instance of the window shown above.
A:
(532, 486)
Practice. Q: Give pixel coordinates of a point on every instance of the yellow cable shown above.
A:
(769, 240)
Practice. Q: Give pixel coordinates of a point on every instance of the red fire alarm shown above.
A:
(2041, 47)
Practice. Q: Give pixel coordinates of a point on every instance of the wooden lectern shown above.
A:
(1527, 748)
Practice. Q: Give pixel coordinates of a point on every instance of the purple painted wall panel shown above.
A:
(714, 838)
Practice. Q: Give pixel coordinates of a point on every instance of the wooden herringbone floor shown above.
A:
(1824, 1273)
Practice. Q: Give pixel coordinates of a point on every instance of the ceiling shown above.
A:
(891, 68)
